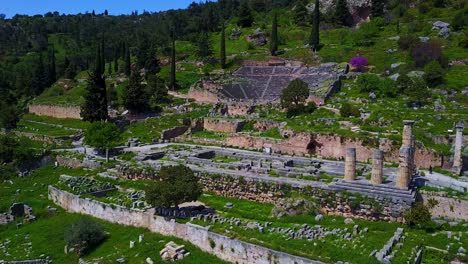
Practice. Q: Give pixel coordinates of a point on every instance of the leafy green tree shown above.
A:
(245, 15)
(418, 91)
(418, 216)
(9, 115)
(296, 93)
(135, 98)
(342, 13)
(177, 184)
(204, 45)
(103, 136)
(84, 235)
(274, 35)
(314, 39)
(222, 55)
(434, 74)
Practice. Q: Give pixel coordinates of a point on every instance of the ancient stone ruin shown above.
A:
(173, 252)
(263, 82)
(457, 157)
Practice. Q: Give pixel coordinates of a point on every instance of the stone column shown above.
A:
(457, 155)
(350, 164)
(377, 167)
(407, 132)
(403, 174)
(413, 155)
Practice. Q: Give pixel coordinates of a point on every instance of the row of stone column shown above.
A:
(406, 166)
(377, 165)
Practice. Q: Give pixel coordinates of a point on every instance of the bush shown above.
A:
(407, 41)
(424, 8)
(387, 88)
(434, 74)
(348, 110)
(424, 53)
(296, 110)
(84, 235)
(460, 20)
(359, 63)
(368, 82)
(418, 216)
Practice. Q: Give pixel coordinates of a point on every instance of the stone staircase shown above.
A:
(365, 188)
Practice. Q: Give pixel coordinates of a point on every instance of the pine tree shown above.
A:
(300, 12)
(135, 98)
(39, 78)
(314, 40)
(378, 8)
(245, 15)
(127, 62)
(274, 35)
(52, 67)
(94, 107)
(173, 81)
(223, 47)
(204, 45)
(342, 13)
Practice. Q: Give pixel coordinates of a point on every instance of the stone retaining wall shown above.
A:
(228, 249)
(56, 111)
(447, 207)
(223, 125)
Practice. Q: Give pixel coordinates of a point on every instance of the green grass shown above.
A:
(332, 248)
(47, 233)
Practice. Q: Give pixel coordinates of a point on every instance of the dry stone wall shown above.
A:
(228, 249)
(223, 125)
(56, 111)
(447, 207)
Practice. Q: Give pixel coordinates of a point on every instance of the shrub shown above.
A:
(460, 20)
(424, 8)
(418, 216)
(359, 63)
(407, 41)
(424, 53)
(296, 110)
(84, 235)
(434, 74)
(417, 91)
(368, 82)
(348, 110)
(387, 88)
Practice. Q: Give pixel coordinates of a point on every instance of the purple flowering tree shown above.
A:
(359, 63)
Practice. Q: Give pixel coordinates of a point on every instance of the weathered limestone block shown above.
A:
(56, 111)
(350, 164)
(377, 166)
(403, 175)
(407, 132)
(457, 155)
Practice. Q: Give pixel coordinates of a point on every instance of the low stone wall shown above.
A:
(55, 111)
(447, 207)
(32, 261)
(75, 163)
(223, 125)
(333, 147)
(266, 125)
(203, 96)
(228, 249)
(173, 132)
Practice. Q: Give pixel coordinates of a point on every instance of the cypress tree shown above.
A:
(103, 55)
(341, 12)
(52, 67)
(116, 61)
(274, 35)
(127, 62)
(204, 45)
(314, 40)
(94, 107)
(223, 47)
(245, 15)
(300, 12)
(173, 80)
(39, 78)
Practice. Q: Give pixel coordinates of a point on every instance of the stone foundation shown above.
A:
(56, 111)
(223, 125)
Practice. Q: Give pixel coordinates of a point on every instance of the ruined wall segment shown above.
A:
(56, 111)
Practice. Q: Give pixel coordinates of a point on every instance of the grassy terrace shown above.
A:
(332, 248)
(46, 234)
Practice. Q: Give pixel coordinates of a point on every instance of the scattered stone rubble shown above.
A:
(17, 210)
(173, 252)
(386, 254)
(87, 185)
